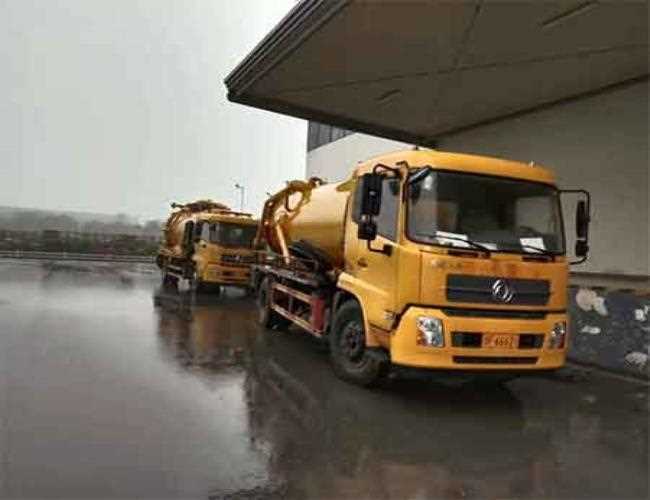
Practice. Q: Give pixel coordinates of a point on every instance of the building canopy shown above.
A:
(416, 70)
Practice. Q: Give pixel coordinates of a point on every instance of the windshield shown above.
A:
(500, 214)
(232, 235)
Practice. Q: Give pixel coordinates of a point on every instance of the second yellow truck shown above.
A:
(423, 259)
(208, 244)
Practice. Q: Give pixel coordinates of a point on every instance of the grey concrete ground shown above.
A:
(110, 389)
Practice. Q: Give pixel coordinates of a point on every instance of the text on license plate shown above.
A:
(498, 341)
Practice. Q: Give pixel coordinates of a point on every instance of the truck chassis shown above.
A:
(297, 290)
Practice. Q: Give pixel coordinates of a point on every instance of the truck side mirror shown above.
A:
(582, 249)
(367, 229)
(582, 220)
(371, 194)
(582, 231)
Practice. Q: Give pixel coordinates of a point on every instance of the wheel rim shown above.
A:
(352, 342)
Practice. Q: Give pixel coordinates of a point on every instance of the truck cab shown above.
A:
(459, 262)
(222, 250)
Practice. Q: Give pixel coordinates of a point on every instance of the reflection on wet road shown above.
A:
(110, 388)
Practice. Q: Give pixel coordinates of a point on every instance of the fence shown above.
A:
(95, 257)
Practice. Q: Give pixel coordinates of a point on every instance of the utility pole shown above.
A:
(241, 196)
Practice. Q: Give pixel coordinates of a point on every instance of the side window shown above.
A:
(197, 230)
(387, 218)
(205, 231)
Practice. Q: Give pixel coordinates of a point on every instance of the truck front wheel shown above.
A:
(267, 317)
(350, 358)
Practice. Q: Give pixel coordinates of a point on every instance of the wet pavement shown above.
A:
(111, 389)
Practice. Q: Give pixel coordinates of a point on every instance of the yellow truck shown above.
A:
(208, 244)
(424, 259)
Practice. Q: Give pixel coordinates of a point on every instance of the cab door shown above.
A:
(201, 254)
(375, 264)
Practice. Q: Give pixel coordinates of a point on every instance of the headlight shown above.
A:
(558, 335)
(430, 332)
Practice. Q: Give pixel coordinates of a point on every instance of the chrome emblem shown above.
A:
(501, 291)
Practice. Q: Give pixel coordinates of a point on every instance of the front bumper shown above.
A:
(405, 351)
(227, 275)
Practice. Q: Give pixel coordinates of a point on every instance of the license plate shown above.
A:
(498, 341)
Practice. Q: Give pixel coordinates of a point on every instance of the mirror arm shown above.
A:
(394, 170)
(386, 250)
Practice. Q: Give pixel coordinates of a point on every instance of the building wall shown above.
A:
(599, 143)
(336, 160)
(610, 328)
(321, 133)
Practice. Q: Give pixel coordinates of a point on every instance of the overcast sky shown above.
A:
(119, 105)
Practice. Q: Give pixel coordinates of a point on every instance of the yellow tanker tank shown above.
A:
(174, 229)
(311, 212)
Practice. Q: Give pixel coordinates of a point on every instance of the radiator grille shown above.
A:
(496, 290)
(237, 260)
(494, 313)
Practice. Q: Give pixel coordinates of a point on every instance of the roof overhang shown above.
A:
(414, 71)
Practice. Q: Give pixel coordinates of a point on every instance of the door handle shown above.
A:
(362, 262)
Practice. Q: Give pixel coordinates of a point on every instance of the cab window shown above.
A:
(205, 231)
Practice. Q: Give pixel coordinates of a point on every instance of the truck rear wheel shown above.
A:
(350, 358)
(169, 281)
(196, 285)
(267, 317)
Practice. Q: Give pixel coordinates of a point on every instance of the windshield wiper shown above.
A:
(543, 251)
(464, 240)
(523, 246)
(478, 246)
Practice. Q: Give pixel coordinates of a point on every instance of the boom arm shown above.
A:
(271, 221)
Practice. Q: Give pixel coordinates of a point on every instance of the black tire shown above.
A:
(169, 281)
(267, 317)
(348, 352)
(196, 285)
